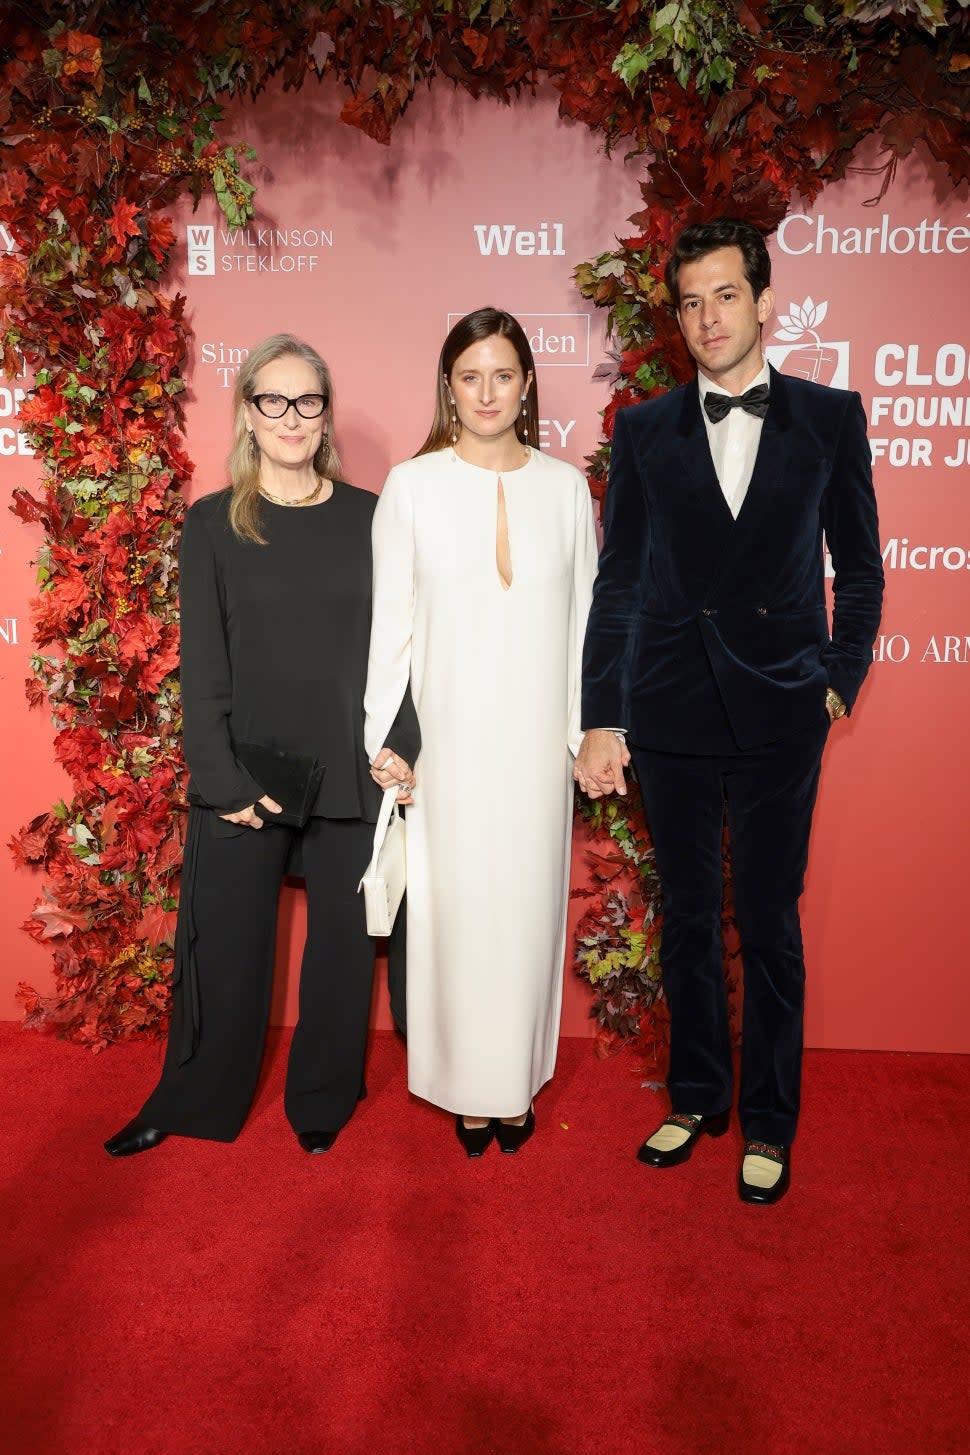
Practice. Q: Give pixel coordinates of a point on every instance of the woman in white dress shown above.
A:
(484, 558)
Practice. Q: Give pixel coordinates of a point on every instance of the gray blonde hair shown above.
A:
(243, 463)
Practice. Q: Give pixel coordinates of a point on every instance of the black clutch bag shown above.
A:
(289, 778)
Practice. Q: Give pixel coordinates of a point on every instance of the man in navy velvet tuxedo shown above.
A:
(708, 651)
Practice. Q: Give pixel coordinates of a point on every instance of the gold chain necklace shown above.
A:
(306, 499)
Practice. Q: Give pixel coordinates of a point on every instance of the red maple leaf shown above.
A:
(170, 851)
(369, 116)
(27, 508)
(138, 635)
(49, 919)
(115, 706)
(476, 43)
(161, 236)
(35, 843)
(157, 926)
(98, 456)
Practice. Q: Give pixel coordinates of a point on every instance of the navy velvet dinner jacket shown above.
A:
(709, 634)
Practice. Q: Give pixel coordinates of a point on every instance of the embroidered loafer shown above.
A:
(758, 1180)
(694, 1126)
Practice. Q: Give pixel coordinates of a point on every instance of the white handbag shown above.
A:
(386, 874)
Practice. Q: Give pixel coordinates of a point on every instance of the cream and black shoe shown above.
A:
(765, 1172)
(674, 1139)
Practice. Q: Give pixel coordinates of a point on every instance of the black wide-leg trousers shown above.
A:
(768, 796)
(234, 893)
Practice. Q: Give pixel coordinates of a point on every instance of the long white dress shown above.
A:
(495, 675)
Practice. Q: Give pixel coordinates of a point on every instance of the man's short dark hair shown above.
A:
(702, 238)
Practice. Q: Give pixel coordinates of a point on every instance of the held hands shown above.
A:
(388, 769)
(600, 763)
(249, 816)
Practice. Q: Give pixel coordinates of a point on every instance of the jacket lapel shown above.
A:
(700, 477)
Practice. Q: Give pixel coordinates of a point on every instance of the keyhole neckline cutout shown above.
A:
(503, 545)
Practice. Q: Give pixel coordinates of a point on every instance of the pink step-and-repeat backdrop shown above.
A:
(371, 252)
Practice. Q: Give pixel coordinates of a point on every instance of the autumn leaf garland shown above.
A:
(735, 108)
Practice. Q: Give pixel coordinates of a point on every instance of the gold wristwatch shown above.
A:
(834, 703)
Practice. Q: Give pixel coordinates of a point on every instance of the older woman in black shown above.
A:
(276, 595)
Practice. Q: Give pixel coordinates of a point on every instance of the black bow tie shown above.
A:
(719, 406)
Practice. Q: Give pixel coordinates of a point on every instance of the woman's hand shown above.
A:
(388, 769)
(249, 816)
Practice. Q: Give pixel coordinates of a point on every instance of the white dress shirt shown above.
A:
(734, 442)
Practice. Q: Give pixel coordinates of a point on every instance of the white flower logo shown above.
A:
(801, 319)
(802, 352)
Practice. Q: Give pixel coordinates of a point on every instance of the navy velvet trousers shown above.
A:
(234, 903)
(768, 795)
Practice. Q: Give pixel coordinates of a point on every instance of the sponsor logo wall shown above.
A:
(872, 294)
(372, 254)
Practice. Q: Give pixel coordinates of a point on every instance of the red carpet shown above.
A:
(394, 1297)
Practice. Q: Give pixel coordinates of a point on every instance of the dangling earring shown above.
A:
(454, 422)
(253, 446)
(525, 418)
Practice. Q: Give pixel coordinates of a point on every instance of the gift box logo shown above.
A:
(821, 362)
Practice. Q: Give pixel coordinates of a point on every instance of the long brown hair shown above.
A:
(245, 516)
(483, 323)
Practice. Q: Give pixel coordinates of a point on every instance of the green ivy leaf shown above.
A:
(664, 17)
(721, 71)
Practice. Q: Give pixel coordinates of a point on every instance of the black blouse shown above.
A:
(274, 648)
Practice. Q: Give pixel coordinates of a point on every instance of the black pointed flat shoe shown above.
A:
(134, 1137)
(314, 1142)
(474, 1139)
(751, 1191)
(694, 1126)
(510, 1137)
